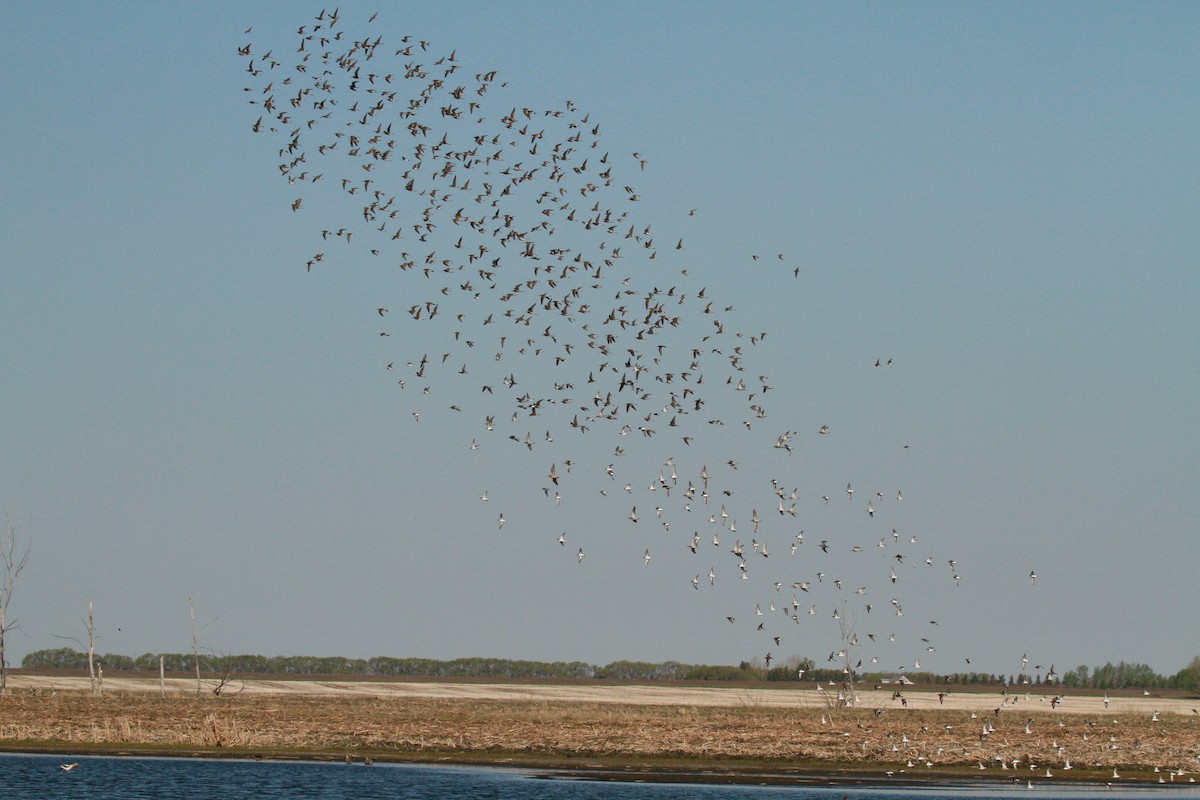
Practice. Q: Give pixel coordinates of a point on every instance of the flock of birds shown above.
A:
(542, 312)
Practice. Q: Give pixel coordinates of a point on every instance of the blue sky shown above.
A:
(1001, 199)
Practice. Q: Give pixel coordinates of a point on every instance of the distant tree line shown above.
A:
(1124, 675)
(1120, 676)
(66, 658)
(381, 666)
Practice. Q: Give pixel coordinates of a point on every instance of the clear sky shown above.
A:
(1000, 199)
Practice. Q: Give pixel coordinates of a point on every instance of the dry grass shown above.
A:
(607, 733)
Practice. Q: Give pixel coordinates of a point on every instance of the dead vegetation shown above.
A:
(427, 728)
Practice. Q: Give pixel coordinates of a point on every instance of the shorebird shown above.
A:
(68, 767)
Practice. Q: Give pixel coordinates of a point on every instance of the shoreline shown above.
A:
(626, 733)
(561, 768)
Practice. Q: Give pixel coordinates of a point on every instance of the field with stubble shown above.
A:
(615, 729)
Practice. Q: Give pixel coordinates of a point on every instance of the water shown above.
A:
(37, 777)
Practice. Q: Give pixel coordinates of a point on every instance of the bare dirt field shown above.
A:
(580, 727)
(654, 695)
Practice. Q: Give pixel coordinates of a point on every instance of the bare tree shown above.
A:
(91, 625)
(846, 697)
(226, 678)
(14, 553)
(195, 644)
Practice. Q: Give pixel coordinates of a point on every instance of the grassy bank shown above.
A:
(607, 737)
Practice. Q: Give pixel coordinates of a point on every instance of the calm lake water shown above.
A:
(36, 777)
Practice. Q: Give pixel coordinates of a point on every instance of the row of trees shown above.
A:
(385, 667)
(1120, 676)
(1109, 676)
(1124, 675)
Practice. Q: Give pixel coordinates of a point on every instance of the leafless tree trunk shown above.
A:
(195, 644)
(162, 678)
(91, 648)
(846, 696)
(13, 554)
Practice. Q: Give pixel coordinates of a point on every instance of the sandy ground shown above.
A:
(651, 695)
